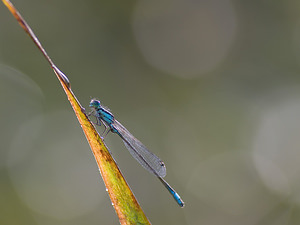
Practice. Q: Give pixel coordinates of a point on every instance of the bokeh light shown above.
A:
(45, 178)
(276, 145)
(185, 38)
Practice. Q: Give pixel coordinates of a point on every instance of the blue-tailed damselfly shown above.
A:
(139, 151)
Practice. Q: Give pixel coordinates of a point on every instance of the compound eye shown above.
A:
(94, 103)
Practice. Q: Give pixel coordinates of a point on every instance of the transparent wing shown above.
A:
(139, 151)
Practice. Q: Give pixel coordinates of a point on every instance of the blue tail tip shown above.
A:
(178, 200)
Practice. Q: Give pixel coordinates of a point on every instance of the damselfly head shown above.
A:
(95, 103)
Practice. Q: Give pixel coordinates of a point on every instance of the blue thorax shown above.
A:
(103, 114)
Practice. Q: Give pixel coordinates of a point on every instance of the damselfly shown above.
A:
(139, 151)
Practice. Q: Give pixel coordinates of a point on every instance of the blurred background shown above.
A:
(210, 86)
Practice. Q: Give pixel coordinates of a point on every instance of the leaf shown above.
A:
(123, 200)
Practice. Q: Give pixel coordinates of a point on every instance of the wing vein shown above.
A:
(140, 152)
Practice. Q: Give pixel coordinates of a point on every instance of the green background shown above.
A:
(211, 87)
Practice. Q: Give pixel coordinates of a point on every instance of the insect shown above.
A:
(147, 159)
